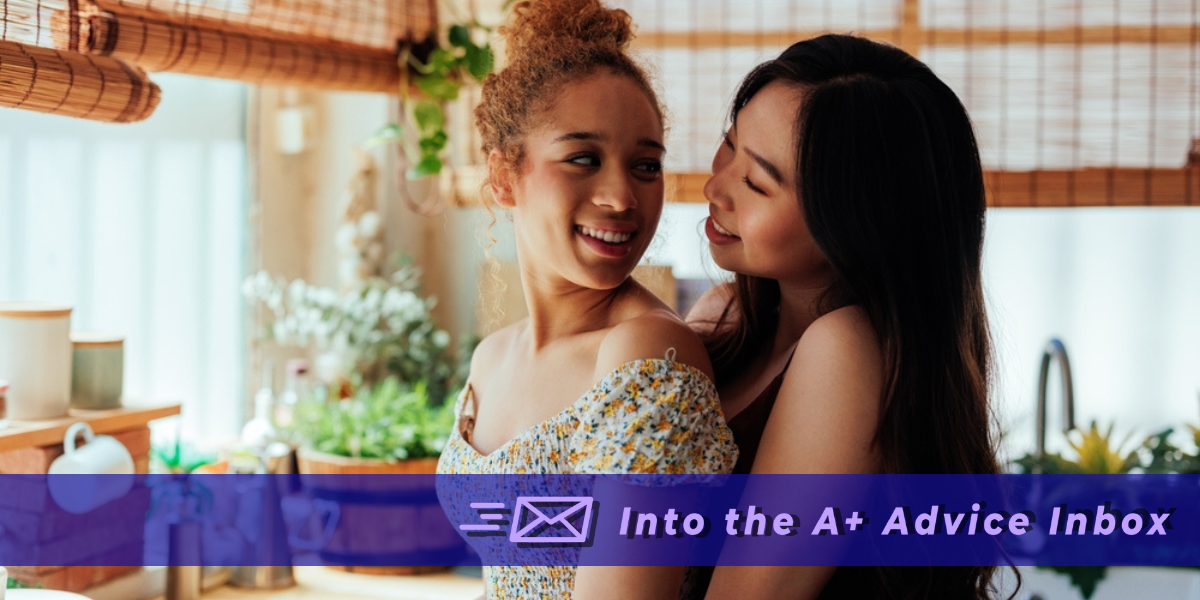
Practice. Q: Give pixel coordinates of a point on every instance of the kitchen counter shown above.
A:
(313, 583)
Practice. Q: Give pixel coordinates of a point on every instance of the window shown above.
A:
(142, 229)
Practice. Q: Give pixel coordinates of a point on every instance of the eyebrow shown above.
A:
(767, 166)
(589, 136)
(652, 144)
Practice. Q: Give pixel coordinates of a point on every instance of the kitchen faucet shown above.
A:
(1054, 351)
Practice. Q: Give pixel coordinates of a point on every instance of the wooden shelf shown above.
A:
(25, 434)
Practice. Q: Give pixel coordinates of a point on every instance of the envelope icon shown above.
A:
(552, 520)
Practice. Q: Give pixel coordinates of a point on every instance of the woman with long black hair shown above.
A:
(848, 198)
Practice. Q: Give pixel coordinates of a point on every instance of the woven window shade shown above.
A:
(34, 76)
(162, 46)
(326, 44)
(1075, 103)
(377, 24)
(86, 58)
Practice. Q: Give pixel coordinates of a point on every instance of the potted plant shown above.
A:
(1095, 454)
(372, 522)
(383, 410)
(389, 428)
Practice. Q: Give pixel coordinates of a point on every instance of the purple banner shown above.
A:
(370, 520)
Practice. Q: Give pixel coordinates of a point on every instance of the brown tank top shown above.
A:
(748, 425)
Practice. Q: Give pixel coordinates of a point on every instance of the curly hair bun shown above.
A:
(537, 24)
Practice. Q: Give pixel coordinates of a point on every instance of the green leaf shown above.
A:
(1084, 578)
(388, 133)
(438, 88)
(480, 61)
(460, 36)
(441, 62)
(434, 143)
(429, 116)
(430, 164)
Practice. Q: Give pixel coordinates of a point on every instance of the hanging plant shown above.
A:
(452, 63)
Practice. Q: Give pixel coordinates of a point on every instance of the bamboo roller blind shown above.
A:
(101, 47)
(35, 76)
(1075, 103)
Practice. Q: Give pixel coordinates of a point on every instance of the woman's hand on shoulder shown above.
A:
(651, 335)
(828, 408)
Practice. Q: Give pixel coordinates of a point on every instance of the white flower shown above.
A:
(373, 300)
(441, 339)
(274, 299)
(329, 367)
(416, 337)
(346, 238)
(369, 224)
(408, 307)
(391, 301)
(263, 283)
(321, 332)
(348, 269)
(295, 292)
(280, 331)
(326, 298)
(248, 288)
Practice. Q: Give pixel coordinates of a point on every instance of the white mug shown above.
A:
(101, 455)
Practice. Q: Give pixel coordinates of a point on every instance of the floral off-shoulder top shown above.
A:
(649, 416)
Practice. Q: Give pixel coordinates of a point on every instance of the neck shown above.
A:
(559, 309)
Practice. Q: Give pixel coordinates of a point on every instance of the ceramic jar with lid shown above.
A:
(35, 358)
(98, 370)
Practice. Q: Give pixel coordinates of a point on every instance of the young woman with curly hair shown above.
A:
(602, 377)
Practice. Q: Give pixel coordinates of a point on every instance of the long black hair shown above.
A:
(891, 187)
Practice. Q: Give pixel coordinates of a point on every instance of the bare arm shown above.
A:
(824, 421)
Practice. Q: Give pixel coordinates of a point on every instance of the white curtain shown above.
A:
(142, 229)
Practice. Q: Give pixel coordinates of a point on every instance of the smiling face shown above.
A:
(588, 193)
(755, 225)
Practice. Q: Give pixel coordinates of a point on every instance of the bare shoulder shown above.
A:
(652, 335)
(491, 350)
(704, 314)
(840, 355)
(840, 334)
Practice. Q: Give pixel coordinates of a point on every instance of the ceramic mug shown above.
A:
(103, 457)
(97, 370)
(35, 358)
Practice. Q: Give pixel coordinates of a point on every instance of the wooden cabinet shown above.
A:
(28, 447)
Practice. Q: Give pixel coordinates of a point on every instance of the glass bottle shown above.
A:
(295, 390)
(259, 432)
